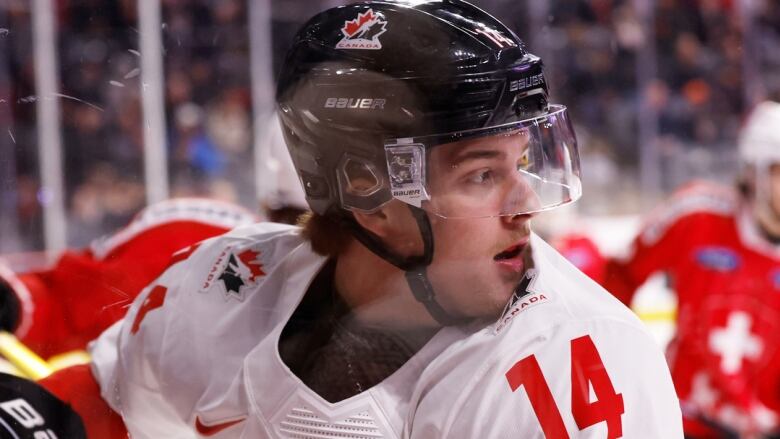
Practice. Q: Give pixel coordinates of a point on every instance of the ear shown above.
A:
(376, 222)
(395, 225)
(390, 222)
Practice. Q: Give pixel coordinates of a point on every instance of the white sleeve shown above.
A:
(621, 387)
(126, 362)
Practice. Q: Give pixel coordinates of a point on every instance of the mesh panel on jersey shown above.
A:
(303, 423)
(334, 354)
(355, 360)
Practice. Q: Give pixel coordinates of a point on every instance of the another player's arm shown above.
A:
(123, 269)
(64, 306)
(31, 308)
(65, 403)
(77, 387)
(656, 248)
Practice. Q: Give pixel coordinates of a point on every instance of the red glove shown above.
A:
(76, 386)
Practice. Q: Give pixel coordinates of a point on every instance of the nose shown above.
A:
(516, 220)
(520, 198)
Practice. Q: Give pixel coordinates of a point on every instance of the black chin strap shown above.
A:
(423, 291)
(415, 267)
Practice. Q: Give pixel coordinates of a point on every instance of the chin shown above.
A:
(493, 301)
(482, 296)
(493, 309)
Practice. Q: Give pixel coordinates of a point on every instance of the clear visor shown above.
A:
(519, 168)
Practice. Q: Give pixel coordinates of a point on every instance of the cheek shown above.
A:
(776, 200)
(463, 272)
(462, 239)
(774, 187)
(463, 255)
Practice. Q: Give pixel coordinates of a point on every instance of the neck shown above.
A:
(377, 291)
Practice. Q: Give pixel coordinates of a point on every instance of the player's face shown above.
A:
(767, 200)
(479, 260)
(774, 187)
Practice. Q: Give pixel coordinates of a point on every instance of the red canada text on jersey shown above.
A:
(723, 358)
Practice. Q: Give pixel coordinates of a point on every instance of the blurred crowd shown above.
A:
(677, 77)
(688, 70)
(207, 104)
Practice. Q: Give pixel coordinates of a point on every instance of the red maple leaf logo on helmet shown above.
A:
(352, 27)
(249, 258)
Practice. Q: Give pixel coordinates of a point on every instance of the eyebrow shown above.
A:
(477, 154)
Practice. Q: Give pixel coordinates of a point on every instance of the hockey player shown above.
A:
(720, 250)
(62, 307)
(415, 302)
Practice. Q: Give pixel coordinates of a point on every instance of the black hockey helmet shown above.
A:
(367, 89)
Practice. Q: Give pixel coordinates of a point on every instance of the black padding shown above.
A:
(9, 307)
(28, 411)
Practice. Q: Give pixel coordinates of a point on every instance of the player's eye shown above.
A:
(481, 177)
(524, 162)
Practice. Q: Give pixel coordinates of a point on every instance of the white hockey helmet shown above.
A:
(759, 150)
(759, 140)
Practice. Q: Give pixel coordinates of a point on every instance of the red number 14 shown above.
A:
(587, 370)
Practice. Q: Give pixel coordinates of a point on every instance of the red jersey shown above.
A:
(724, 357)
(69, 304)
(581, 251)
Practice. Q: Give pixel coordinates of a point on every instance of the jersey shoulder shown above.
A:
(205, 281)
(556, 292)
(564, 321)
(226, 270)
(193, 327)
(692, 204)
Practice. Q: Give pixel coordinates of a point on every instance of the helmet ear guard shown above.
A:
(362, 185)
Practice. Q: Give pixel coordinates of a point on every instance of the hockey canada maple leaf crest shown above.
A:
(522, 298)
(239, 270)
(363, 32)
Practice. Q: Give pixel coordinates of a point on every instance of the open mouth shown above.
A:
(510, 253)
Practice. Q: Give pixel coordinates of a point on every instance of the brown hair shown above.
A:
(327, 235)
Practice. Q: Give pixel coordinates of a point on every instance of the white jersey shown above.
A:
(197, 356)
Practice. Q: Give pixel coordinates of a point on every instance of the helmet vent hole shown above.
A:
(314, 186)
